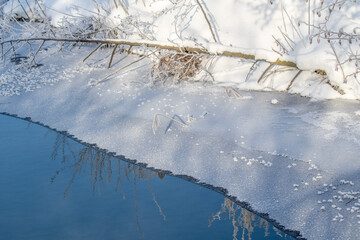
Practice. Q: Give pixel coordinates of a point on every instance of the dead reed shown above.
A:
(177, 66)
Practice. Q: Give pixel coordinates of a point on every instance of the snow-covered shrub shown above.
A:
(333, 27)
(323, 28)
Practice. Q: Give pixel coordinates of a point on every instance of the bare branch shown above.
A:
(207, 20)
(33, 60)
(93, 51)
(337, 59)
(263, 74)
(293, 80)
(112, 55)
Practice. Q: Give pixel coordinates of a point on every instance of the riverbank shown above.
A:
(292, 157)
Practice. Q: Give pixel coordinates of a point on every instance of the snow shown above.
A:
(274, 101)
(241, 26)
(280, 158)
(291, 157)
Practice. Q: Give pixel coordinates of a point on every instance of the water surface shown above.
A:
(56, 188)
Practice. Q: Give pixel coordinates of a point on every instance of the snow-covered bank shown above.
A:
(294, 158)
(319, 37)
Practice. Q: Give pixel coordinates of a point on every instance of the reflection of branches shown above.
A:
(154, 199)
(240, 218)
(119, 181)
(136, 207)
(101, 171)
(60, 144)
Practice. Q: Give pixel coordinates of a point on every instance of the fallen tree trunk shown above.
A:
(226, 51)
(220, 50)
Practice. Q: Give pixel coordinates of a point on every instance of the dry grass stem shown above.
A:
(263, 74)
(115, 3)
(129, 50)
(23, 9)
(278, 70)
(29, 7)
(112, 55)
(230, 91)
(282, 15)
(93, 51)
(207, 20)
(293, 80)
(337, 59)
(156, 121)
(123, 6)
(286, 38)
(292, 24)
(250, 70)
(284, 49)
(37, 2)
(122, 68)
(33, 59)
(309, 10)
(277, 52)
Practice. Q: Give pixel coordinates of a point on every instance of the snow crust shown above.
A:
(296, 160)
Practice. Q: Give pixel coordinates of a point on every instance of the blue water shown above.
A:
(53, 187)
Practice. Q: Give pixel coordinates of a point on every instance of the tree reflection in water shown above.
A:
(101, 170)
(242, 219)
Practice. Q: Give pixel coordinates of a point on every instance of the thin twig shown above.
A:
(231, 90)
(309, 17)
(123, 6)
(129, 50)
(262, 75)
(207, 20)
(120, 69)
(112, 55)
(277, 52)
(281, 45)
(23, 9)
(93, 52)
(37, 2)
(286, 37)
(278, 70)
(293, 80)
(12, 47)
(33, 60)
(292, 24)
(250, 70)
(2, 51)
(282, 14)
(115, 3)
(156, 121)
(337, 59)
(29, 7)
